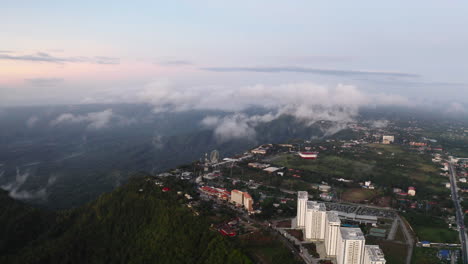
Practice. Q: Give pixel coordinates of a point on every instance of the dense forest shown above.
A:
(136, 223)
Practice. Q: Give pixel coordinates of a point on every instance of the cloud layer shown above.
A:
(44, 81)
(95, 120)
(14, 187)
(333, 72)
(46, 57)
(306, 102)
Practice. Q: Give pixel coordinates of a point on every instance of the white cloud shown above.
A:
(236, 126)
(14, 187)
(379, 123)
(306, 101)
(456, 108)
(32, 121)
(95, 120)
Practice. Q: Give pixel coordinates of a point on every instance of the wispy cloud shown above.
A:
(306, 102)
(334, 72)
(46, 57)
(31, 122)
(176, 62)
(95, 120)
(15, 190)
(413, 83)
(44, 81)
(456, 108)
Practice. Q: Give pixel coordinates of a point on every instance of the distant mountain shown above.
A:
(136, 223)
(64, 156)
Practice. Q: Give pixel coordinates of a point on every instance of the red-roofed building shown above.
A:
(217, 192)
(227, 232)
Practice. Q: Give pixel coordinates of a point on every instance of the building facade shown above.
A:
(373, 255)
(315, 221)
(237, 197)
(302, 198)
(332, 228)
(248, 202)
(388, 139)
(350, 246)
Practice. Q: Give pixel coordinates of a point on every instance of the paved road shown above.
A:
(393, 229)
(459, 214)
(409, 240)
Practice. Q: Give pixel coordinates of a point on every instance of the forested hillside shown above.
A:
(136, 223)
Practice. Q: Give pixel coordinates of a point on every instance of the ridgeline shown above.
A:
(136, 223)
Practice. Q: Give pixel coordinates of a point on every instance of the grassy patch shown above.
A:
(425, 256)
(359, 195)
(399, 236)
(395, 253)
(386, 148)
(267, 249)
(431, 229)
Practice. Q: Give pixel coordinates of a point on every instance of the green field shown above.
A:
(395, 253)
(431, 229)
(385, 165)
(358, 195)
(425, 256)
(266, 248)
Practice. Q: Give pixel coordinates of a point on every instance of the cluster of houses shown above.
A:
(411, 191)
(238, 198)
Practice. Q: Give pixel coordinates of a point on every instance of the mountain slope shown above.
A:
(129, 226)
(20, 223)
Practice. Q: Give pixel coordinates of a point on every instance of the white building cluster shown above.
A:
(346, 244)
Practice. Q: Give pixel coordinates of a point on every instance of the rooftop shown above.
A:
(374, 252)
(302, 195)
(349, 233)
(313, 205)
(333, 218)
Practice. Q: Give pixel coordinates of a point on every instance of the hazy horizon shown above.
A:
(189, 55)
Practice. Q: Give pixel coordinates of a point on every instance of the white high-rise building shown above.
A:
(332, 228)
(315, 221)
(373, 255)
(302, 198)
(350, 248)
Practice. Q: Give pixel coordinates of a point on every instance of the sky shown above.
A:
(201, 54)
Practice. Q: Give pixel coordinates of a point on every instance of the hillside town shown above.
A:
(354, 216)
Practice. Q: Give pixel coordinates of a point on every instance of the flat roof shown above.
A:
(351, 233)
(333, 218)
(313, 205)
(374, 252)
(303, 195)
(271, 169)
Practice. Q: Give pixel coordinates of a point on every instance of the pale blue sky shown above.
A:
(189, 41)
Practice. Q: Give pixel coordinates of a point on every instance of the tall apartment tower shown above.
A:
(315, 221)
(302, 198)
(332, 228)
(373, 255)
(350, 248)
